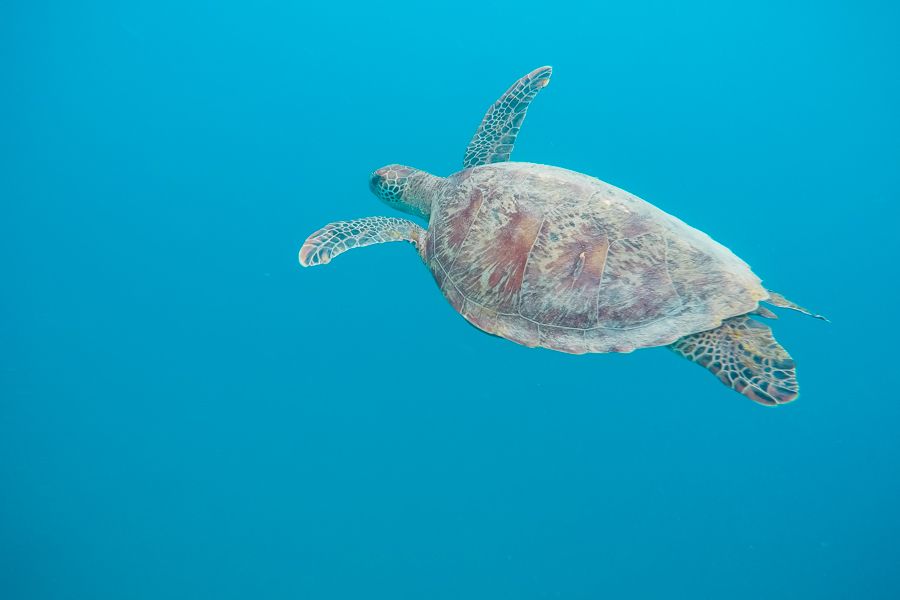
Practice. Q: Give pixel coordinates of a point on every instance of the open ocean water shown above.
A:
(186, 413)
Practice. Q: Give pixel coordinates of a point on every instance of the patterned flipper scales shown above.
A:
(743, 354)
(494, 140)
(338, 237)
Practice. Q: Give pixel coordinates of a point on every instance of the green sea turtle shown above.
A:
(548, 257)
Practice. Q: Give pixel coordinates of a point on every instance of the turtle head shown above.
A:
(405, 188)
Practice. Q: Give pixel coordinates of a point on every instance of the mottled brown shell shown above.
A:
(549, 257)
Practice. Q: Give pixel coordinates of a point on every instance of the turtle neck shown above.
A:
(421, 190)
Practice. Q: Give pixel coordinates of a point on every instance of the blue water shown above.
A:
(186, 413)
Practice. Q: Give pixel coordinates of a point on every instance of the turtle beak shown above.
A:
(375, 181)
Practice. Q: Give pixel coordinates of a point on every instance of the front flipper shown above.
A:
(744, 356)
(494, 140)
(338, 237)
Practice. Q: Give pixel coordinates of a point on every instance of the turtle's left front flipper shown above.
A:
(494, 140)
(744, 356)
(335, 238)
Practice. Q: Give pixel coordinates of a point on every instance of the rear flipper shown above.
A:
(744, 356)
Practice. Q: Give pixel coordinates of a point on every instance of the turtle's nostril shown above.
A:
(374, 181)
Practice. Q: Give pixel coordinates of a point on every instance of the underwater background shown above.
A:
(186, 413)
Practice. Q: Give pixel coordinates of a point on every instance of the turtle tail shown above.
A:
(776, 299)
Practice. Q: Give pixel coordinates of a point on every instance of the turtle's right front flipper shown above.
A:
(335, 238)
(494, 140)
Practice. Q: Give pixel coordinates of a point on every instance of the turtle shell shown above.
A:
(548, 257)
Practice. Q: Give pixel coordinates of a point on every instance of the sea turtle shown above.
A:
(544, 256)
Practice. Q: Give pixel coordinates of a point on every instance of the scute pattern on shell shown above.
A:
(548, 257)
